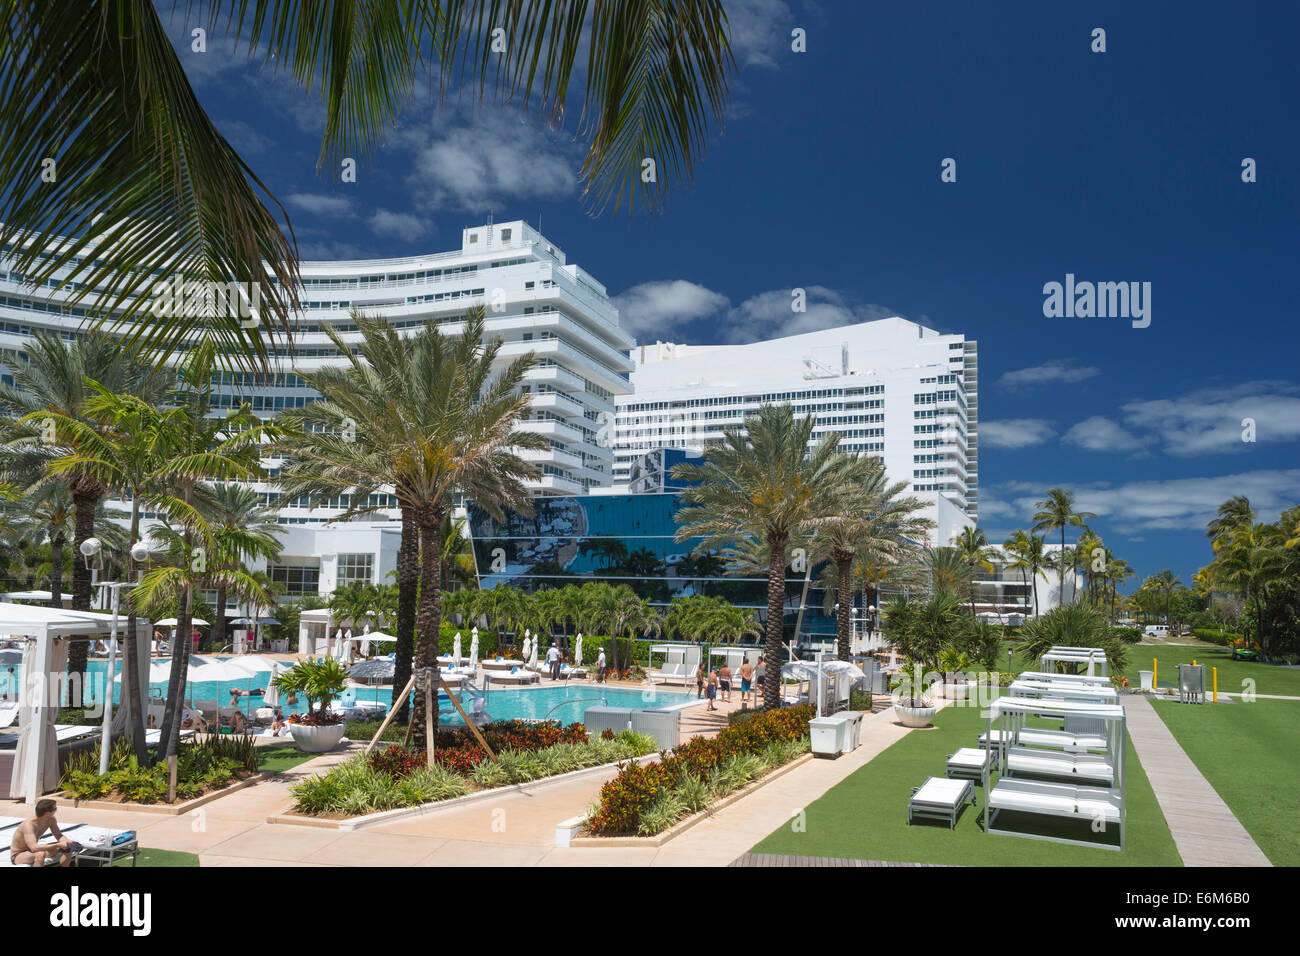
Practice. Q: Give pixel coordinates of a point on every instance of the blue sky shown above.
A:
(1117, 166)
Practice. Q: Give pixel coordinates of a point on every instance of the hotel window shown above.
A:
(296, 581)
(356, 568)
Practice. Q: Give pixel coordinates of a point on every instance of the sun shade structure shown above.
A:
(680, 663)
(1062, 690)
(47, 634)
(1057, 781)
(1093, 658)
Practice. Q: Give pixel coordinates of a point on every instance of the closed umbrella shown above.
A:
(272, 696)
(532, 661)
(473, 649)
(455, 650)
(577, 651)
(527, 645)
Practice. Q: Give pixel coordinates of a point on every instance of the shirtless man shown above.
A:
(26, 847)
(746, 680)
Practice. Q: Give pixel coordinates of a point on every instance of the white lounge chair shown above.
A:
(1099, 806)
(970, 763)
(940, 799)
(1084, 768)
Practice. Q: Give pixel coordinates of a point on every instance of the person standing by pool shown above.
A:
(759, 673)
(746, 680)
(724, 681)
(699, 681)
(600, 667)
(712, 692)
(553, 661)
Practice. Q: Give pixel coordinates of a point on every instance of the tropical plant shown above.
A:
(1058, 511)
(104, 82)
(764, 481)
(973, 546)
(430, 417)
(319, 680)
(1072, 625)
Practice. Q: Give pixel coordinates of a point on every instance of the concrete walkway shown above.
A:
(1205, 830)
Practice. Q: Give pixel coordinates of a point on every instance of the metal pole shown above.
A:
(106, 730)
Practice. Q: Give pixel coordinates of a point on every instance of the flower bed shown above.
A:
(645, 800)
(397, 778)
(202, 766)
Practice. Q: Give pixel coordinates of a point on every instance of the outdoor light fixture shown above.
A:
(139, 552)
(92, 550)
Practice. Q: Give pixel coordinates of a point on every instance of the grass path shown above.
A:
(865, 816)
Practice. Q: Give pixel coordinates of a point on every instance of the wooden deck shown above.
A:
(776, 859)
(1205, 830)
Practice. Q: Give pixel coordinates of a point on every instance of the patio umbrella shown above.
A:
(11, 657)
(272, 696)
(533, 660)
(527, 645)
(455, 650)
(377, 671)
(473, 649)
(577, 651)
(172, 622)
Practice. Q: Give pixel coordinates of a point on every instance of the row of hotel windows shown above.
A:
(755, 399)
(296, 581)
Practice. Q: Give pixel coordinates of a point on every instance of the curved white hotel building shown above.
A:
(891, 388)
(536, 301)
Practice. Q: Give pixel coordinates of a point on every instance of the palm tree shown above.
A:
(1072, 625)
(1166, 582)
(1085, 552)
(870, 517)
(973, 546)
(135, 145)
(763, 480)
(1232, 515)
(923, 630)
(244, 529)
(52, 382)
(1057, 511)
(435, 422)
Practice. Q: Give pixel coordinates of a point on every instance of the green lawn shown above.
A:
(1282, 681)
(865, 815)
(170, 858)
(277, 759)
(1250, 754)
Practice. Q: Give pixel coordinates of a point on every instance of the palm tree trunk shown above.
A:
(219, 624)
(775, 620)
(56, 571)
(408, 584)
(130, 657)
(844, 593)
(84, 505)
(1061, 567)
(428, 622)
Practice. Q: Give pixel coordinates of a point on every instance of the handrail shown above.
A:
(579, 700)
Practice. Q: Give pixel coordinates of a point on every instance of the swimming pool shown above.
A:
(566, 703)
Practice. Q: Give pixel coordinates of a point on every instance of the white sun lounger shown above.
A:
(970, 763)
(1084, 768)
(1100, 806)
(940, 799)
(1060, 739)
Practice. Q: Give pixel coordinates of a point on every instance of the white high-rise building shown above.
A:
(536, 300)
(891, 388)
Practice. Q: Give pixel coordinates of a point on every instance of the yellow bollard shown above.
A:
(1155, 673)
(1214, 672)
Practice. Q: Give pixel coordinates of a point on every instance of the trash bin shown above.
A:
(1144, 678)
(852, 730)
(827, 735)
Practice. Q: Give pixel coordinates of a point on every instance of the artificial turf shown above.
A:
(1250, 754)
(865, 815)
(277, 759)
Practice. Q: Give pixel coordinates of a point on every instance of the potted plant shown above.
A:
(319, 681)
(913, 707)
(953, 665)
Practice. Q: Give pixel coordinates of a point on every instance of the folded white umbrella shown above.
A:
(527, 644)
(577, 651)
(455, 651)
(473, 649)
(272, 696)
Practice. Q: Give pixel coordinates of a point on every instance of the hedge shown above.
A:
(1215, 637)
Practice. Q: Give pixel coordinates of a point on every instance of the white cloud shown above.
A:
(399, 225)
(1174, 504)
(488, 160)
(1055, 372)
(659, 309)
(1101, 434)
(1015, 433)
(316, 204)
(760, 31)
(1210, 420)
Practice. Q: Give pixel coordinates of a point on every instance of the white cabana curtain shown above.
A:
(37, 711)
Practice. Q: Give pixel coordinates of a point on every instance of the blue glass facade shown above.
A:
(620, 539)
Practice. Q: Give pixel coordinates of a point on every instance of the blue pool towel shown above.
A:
(124, 837)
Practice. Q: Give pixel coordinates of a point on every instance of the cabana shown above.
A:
(680, 662)
(1063, 690)
(1081, 680)
(733, 655)
(1093, 658)
(1081, 786)
(46, 633)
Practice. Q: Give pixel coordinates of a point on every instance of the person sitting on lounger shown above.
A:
(278, 723)
(26, 848)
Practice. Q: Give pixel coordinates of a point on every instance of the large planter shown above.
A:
(316, 739)
(914, 716)
(953, 690)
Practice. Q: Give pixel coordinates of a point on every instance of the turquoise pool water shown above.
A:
(564, 703)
